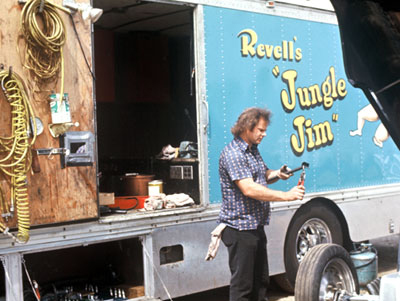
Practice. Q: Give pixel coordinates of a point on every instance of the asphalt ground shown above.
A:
(387, 248)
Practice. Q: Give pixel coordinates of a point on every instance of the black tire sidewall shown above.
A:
(301, 217)
(312, 268)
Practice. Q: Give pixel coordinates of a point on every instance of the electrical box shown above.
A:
(181, 172)
(80, 149)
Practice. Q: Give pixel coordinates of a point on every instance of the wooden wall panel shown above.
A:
(56, 195)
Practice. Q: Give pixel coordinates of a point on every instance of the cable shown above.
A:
(32, 283)
(80, 44)
(16, 150)
(154, 268)
(45, 35)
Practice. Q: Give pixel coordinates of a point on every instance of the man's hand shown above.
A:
(283, 174)
(296, 193)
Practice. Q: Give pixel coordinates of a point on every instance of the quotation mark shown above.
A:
(275, 71)
(335, 117)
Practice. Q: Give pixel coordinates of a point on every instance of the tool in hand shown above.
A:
(291, 171)
(302, 178)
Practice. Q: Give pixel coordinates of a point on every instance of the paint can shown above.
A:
(155, 187)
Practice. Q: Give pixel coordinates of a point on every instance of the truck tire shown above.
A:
(325, 270)
(311, 225)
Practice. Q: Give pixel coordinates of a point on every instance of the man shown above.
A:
(245, 205)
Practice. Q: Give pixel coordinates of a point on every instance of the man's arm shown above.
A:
(259, 192)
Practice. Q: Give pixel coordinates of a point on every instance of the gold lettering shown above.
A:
(304, 98)
(309, 132)
(278, 52)
(315, 95)
(291, 51)
(342, 88)
(289, 99)
(268, 50)
(285, 50)
(297, 144)
(299, 55)
(248, 46)
(317, 136)
(326, 91)
(260, 50)
(323, 134)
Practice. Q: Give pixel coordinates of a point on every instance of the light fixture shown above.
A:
(270, 4)
(87, 11)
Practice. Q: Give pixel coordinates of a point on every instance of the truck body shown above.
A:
(165, 72)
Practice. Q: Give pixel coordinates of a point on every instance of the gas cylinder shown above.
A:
(365, 260)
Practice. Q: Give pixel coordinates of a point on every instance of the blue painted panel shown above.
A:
(236, 81)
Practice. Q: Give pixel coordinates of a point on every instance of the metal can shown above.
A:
(155, 187)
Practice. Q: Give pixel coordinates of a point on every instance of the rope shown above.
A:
(155, 269)
(44, 34)
(15, 152)
(35, 292)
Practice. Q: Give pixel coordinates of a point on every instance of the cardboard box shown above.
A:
(132, 291)
(135, 291)
(106, 198)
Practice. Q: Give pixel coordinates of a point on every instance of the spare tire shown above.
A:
(326, 270)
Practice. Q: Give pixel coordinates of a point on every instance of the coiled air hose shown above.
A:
(44, 32)
(15, 152)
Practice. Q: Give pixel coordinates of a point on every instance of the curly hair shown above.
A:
(249, 119)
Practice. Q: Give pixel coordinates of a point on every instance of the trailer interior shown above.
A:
(108, 271)
(145, 101)
(145, 98)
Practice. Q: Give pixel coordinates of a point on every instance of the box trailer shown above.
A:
(151, 91)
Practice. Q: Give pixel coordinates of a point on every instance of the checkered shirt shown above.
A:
(238, 161)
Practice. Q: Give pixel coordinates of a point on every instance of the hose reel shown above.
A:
(44, 33)
(15, 154)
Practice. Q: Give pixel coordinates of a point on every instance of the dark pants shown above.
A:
(248, 263)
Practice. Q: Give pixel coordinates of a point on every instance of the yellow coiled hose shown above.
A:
(15, 152)
(44, 32)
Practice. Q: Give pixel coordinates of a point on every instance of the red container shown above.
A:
(129, 202)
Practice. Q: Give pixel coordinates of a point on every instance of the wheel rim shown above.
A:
(336, 277)
(313, 232)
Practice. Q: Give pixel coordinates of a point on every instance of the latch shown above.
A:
(51, 151)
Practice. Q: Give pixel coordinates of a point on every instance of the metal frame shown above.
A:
(12, 264)
(202, 105)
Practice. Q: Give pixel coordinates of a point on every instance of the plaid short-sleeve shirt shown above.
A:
(238, 161)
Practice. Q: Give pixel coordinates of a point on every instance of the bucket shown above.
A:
(129, 202)
(135, 184)
(365, 261)
(155, 187)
